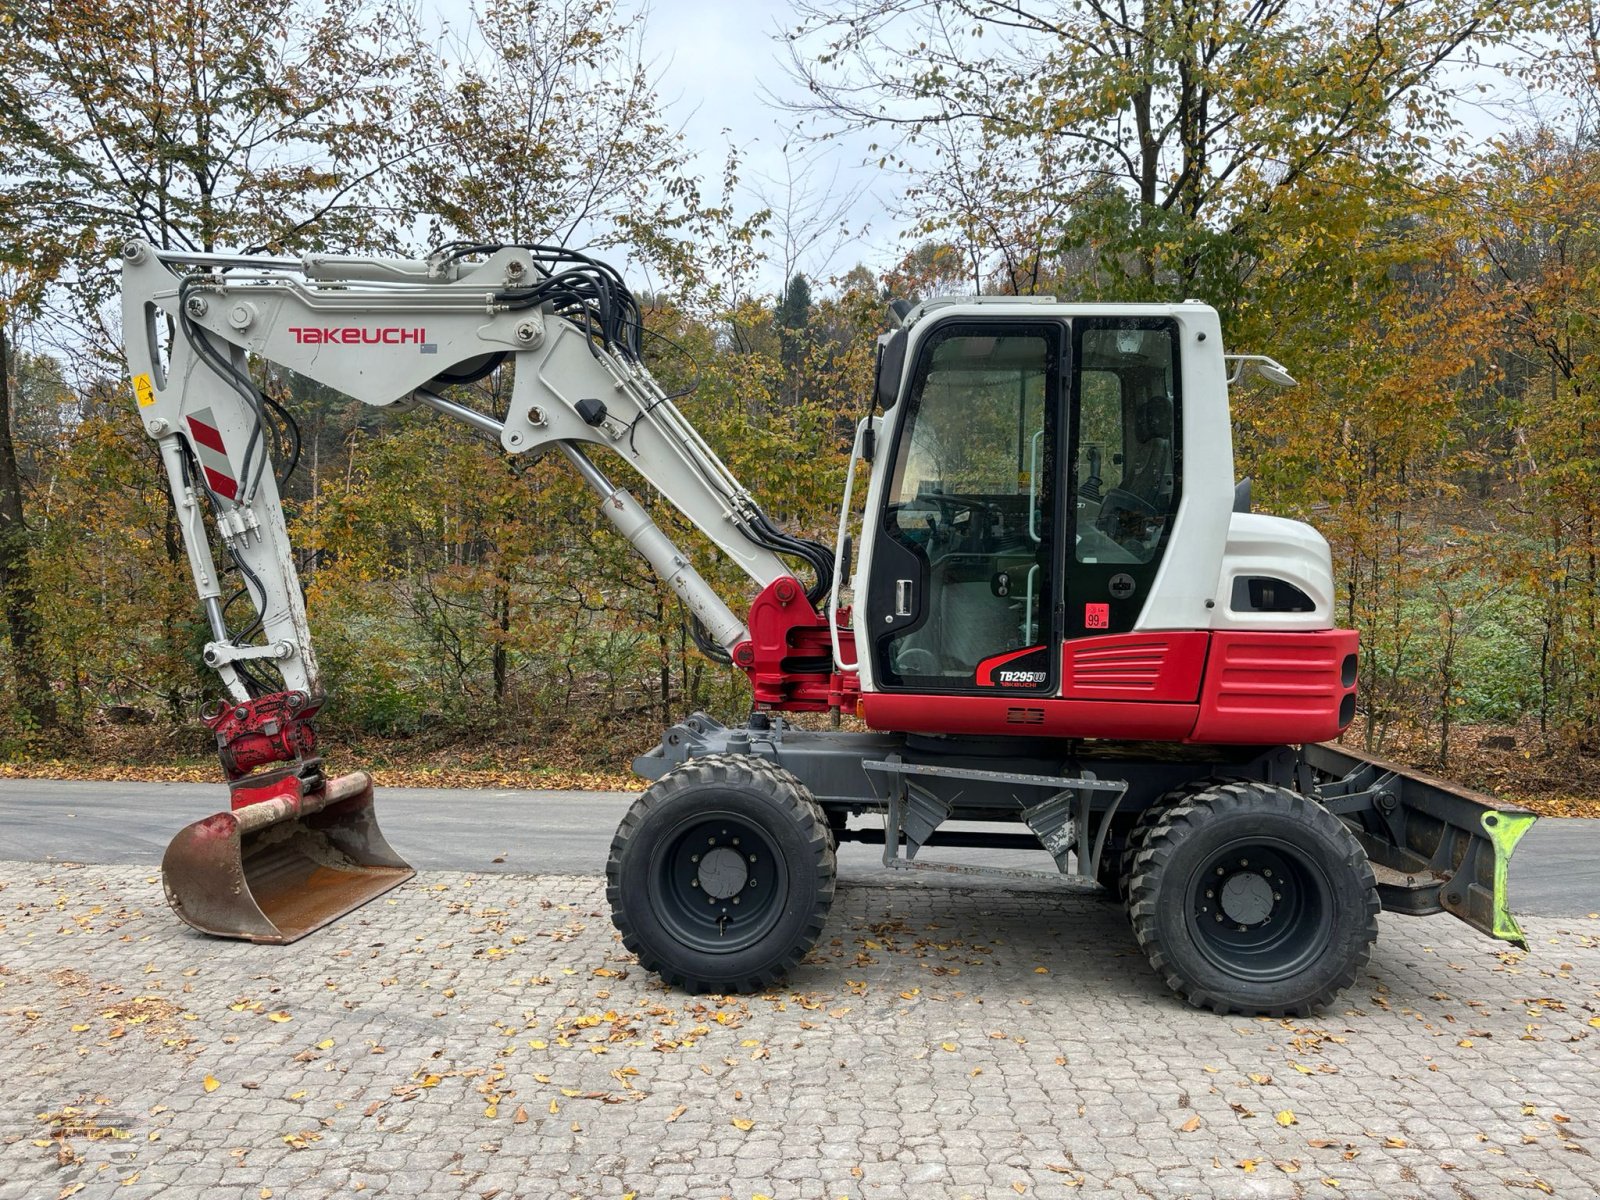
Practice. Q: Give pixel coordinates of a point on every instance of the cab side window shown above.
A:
(1127, 458)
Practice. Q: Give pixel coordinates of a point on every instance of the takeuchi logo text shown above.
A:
(317, 335)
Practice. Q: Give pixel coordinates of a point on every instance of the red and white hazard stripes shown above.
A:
(213, 455)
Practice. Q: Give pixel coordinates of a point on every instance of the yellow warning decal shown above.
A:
(143, 389)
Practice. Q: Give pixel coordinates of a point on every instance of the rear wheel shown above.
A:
(722, 873)
(1146, 821)
(1251, 898)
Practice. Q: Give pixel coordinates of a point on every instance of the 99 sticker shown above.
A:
(1097, 616)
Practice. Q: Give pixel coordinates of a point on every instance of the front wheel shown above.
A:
(1251, 898)
(721, 875)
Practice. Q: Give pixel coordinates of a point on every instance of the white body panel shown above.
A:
(1275, 548)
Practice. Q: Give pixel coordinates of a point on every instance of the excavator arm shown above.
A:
(396, 333)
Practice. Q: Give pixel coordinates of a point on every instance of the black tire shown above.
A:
(741, 837)
(1251, 898)
(1146, 821)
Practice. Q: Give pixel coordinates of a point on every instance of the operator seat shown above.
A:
(1150, 475)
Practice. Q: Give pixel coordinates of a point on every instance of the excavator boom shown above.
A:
(392, 334)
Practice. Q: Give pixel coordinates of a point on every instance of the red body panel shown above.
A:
(1271, 688)
(1163, 667)
(1042, 716)
(1217, 688)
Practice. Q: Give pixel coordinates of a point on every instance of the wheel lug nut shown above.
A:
(711, 899)
(752, 858)
(752, 883)
(735, 841)
(1209, 894)
(1277, 895)
(694, 883)
(694, 858)
(1219, 870)
(1219, 918)
(736, 899)
(711, 841)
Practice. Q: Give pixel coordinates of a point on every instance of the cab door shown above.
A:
(962, 585)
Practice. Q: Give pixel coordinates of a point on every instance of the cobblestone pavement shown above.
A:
(488, 1037)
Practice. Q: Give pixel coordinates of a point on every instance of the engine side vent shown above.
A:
(1024, 716)
(1262, 593)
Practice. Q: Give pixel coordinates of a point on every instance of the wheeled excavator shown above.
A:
(1062, 626)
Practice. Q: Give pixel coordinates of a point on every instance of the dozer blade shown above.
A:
(277, 869)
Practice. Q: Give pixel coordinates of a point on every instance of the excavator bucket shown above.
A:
(279, 868)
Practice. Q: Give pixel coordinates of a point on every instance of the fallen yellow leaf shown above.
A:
(325, 1044)
(280, 1016)
(520, 1117)
(211, 1083)
(744, 1123)
(950, 1046)
(1190, 1125)
(1287, 1118)
(676, 1113)
(1248, 1164)
(554, 1108)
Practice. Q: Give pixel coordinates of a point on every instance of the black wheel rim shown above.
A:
(1260, 909)
(718, 883)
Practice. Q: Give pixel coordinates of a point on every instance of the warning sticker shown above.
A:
(1097, 616)
(144, 390)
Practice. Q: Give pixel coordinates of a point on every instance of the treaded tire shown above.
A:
(1146, 821)
(655, 893)
(1191, 871)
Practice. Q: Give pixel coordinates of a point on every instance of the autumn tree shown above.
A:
(1168, 133)
(226, 125)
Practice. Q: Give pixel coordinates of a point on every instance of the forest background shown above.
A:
(1317, 172)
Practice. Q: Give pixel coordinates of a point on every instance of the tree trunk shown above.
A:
(502, 620)
(17, 596)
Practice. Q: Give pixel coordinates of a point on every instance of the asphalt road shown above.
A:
(1556, 871)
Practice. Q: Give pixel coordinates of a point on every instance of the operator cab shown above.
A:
(1031, 478)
